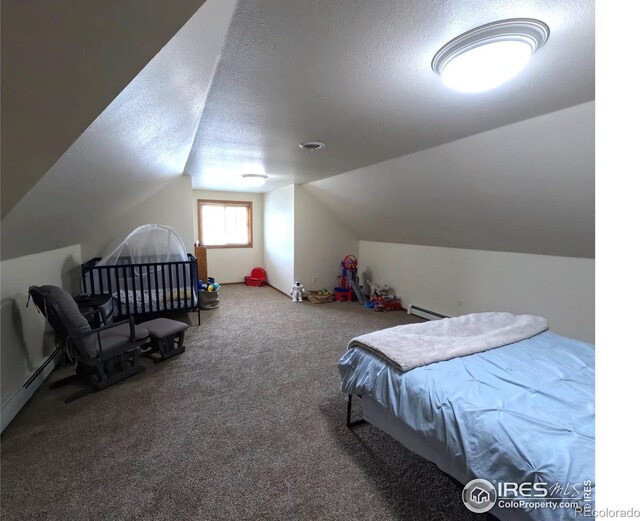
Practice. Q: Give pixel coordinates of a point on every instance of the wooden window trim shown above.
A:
(245, 204)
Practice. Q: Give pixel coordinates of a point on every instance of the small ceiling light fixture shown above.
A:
(312, 146)
(254, 180)
(489, 55)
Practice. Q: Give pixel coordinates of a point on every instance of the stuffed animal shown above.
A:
(297, 292)
(377, 291)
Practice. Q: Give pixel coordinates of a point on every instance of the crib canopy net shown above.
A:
(147, 243)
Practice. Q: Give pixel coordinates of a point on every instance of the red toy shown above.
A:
(348, 280)
(350, 263)
(342, 294)
(392, 304)
(387, 304)
(258, 277)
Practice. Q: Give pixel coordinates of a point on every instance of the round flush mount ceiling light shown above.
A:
(489, 55)
(254, 180)
(312, 146)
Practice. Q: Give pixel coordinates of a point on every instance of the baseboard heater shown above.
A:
(427, 314)
(22, 395)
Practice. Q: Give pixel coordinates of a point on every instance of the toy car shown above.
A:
(392, 304)
(388, 304)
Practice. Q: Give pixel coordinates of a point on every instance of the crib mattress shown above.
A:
(149, 301)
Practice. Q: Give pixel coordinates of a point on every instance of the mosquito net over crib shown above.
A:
(147, 243)
(148, 271)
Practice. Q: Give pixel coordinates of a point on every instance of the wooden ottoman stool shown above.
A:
(167, 337)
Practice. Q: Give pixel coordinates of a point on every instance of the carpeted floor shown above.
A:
(249, 423)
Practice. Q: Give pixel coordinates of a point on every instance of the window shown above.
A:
(225, 224)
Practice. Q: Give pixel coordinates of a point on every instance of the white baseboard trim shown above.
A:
(22, 395)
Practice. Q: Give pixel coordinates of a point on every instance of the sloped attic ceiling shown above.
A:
(138, 144)
(353, 74)
(357, 76)
(528, 187)
(63, 62)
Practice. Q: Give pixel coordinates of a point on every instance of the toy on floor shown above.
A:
(380, 291)
(349, 280)
(319, 297)
(210, 286)
(342, 294)
(297, 292)
(257, 278)
(382, 298)
(208, 297)
(387, 304)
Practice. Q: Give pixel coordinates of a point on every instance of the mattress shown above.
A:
(151, 301)
(521, 413)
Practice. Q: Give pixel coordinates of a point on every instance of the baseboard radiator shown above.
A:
(22, 395)
(427, 314)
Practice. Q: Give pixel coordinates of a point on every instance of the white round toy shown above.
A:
(297, 292)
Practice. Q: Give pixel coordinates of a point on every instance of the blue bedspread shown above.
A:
(519, 413)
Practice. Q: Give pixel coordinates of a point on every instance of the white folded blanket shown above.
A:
(414, 345)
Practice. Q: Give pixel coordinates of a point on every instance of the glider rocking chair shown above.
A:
(104, 356)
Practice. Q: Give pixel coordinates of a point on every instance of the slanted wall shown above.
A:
(322, 240)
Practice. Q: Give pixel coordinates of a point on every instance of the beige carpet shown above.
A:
(249, 423)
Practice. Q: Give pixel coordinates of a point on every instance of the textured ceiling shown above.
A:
(138, 144)
(63, 62)
(239, 87)
(356, 75)
(528, 187)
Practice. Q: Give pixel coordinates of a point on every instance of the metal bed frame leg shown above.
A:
(351, 424)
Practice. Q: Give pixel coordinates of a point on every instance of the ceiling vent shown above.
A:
(312, 145)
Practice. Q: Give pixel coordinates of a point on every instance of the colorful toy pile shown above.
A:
(382, 299)
(387, 304)
(210, 286)
(208, 298)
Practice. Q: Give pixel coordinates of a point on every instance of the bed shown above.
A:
(522, 412)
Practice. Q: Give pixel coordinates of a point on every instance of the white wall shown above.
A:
(527, 187)
(24, 342)
(170, 205)
(279, 237)
(455, 281)
(233, 264)
(321, 242)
